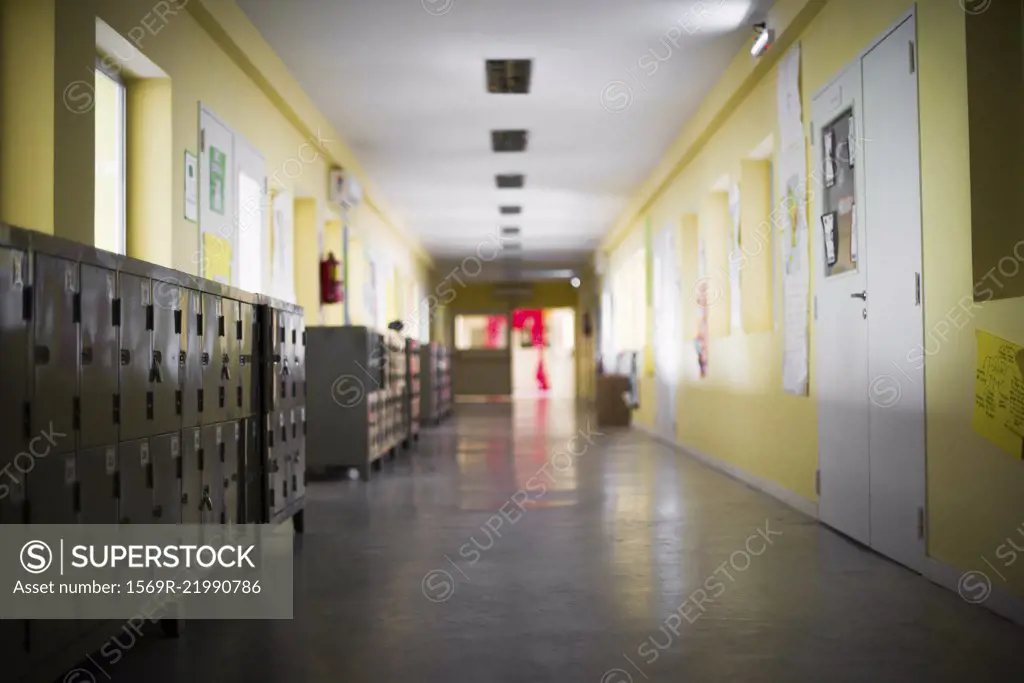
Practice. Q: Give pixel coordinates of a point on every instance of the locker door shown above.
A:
(251, 473)
(191, 476)
(230, 373)
(212, 465)
(55, 359)
(164, 380)
(135, 479)
(244, 334)
(276, 466)
(297, 488)
(99, 358)
(97, 484)
(210, 411)
(191, 373)
(283, 376)
(14, 351)
(136, 403)
(297, 339)
(231, 450)
(166, 454)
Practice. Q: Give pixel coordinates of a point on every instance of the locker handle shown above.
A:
(206, 358)
(181, 359)
(42, 355)
(158, 511)
(86, 355)
(126, 356)
(225, 373)
(207, 502)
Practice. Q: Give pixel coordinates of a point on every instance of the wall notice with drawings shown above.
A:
(999, 393)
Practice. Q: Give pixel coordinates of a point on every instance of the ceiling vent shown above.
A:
(509, 140)
(508, 76)
(510, 210)
(508, 181)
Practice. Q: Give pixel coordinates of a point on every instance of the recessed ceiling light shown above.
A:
(508, 76)
(509, 140)
(508, 181)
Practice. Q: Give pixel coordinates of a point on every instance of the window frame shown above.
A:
(106, 69)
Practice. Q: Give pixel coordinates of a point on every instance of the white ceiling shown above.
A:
(403, 80)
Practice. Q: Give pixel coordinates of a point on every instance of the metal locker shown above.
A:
(299, 360)
(251, 474)
(164, 370)
(230, 371)
(99, 357)
(15, 352)
(97, 485)
(50, 485)
(212, 464)
(229, 472)
(165, 451)
(210, 410)
(282, 372)
(190, 364)
(135, 483)
(191, 476)
(55, 355)
(136, 401)
(245, 333)
(297, 475)
(276, 465)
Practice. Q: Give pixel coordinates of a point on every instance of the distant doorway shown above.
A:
(543, 349)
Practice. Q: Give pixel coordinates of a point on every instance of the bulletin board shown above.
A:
(999, 392)
(216, 258)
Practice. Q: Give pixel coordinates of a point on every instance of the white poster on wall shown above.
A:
(283, 264)
(735, 262)
(796, 267)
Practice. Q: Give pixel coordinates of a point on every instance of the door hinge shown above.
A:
(920, 523)
(817, 482)
(913, 59)
(917, 289)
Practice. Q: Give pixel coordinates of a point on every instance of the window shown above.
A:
(109, 218)
(481, 332)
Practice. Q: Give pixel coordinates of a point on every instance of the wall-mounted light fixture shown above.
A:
(765, 36)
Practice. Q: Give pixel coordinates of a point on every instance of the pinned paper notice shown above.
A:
(999, 392)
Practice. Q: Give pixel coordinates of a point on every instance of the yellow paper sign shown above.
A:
(999, 392)
(216, 258)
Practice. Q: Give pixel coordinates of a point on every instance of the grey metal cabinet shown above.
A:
(97, 485)
(136, 400)
(136, 501)
(15, 339)
(55, 358)
(100, 316)
(191, 475)
(165, 454)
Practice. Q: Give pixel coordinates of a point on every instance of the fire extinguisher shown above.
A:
(330, 280)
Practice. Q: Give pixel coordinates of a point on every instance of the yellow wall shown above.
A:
(973, 489)
(213, 55)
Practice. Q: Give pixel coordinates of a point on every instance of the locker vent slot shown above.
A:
(26, 303)
(76, 412)
(117, 409)
(238, 330)
(115, 312)
(149, 317)
(149, 405)
(177, 402)
(177, 322)
(201, 459)
(76, 308)
(199, 396)
(220, 326)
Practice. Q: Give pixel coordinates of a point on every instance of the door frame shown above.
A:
(920, 563)
(242, 147)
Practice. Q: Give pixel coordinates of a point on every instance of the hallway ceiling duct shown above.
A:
(508, 76)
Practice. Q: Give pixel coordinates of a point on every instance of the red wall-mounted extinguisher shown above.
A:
(330, 280)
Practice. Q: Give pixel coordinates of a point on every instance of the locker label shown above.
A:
(145, 293)
(144, 454)
(175, 449)
(111, 458)
(17, 280)
(195, 302)
(110, 286)
(196, 442)
(217, 307)
(220, 438)
(238, 432)
(281, 420)
(69, 280)
(302, 412)
(293, 416)
(69, 470)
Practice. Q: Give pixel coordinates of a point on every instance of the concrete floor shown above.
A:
(629, 563)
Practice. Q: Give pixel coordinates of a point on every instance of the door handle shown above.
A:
(863, 296)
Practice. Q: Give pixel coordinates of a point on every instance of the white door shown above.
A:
(216, 191)
(869, 320)
(251, 263)
(895, 313)
(667, 330)
(840, 329)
